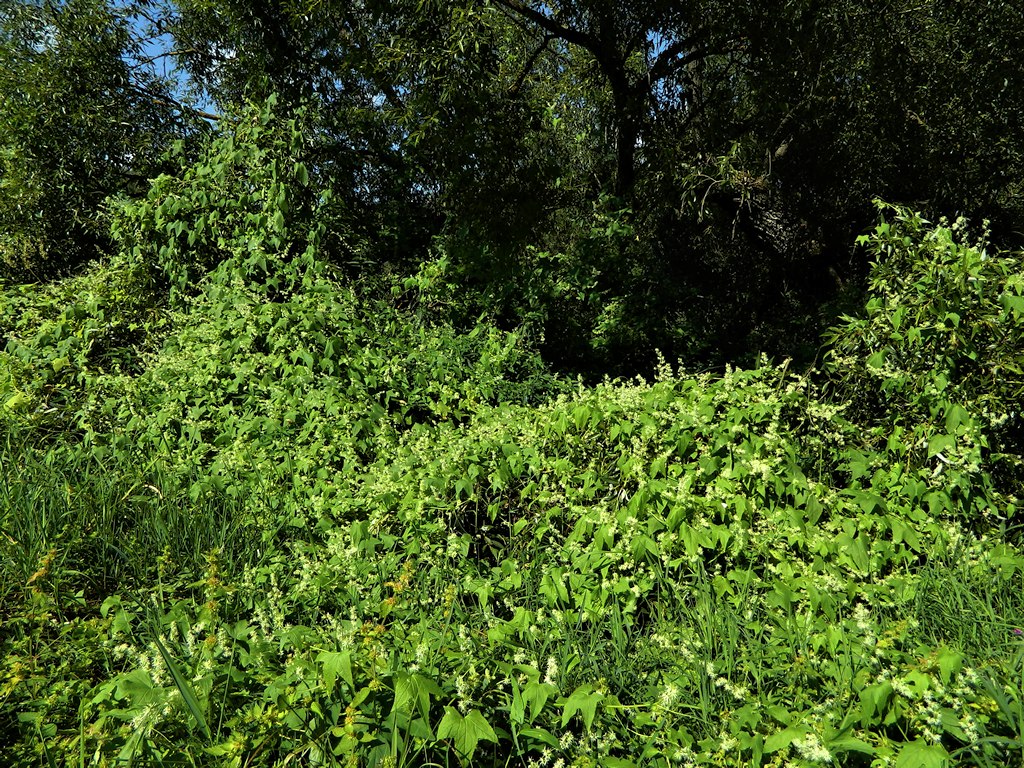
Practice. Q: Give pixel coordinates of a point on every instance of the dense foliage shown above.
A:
(280, 516)
(80, 120)
(620, 178)
(321, 439)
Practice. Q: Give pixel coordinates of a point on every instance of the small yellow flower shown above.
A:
(44, 567)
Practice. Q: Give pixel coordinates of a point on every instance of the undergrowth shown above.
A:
(278, 518)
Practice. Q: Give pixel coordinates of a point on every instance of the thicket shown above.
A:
(257, 511)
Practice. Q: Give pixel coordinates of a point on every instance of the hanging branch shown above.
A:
(528, 67)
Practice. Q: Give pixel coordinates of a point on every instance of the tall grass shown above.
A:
(102, 526)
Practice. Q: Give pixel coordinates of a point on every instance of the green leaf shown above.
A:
(541, 735)
(940, 443)
(950, 662)
(782, 739)
(464, 488)
(553, 587)
(16, 401)
(110, 602)
(466, 731)
(920, 754)
(517, 711)
(536, 695)
(184, 688)
(583, 700)
(137, 686)
(874, 700)
(335, 664)
(412, 690)
(1014, 304)
(850, 744)
(956, 417)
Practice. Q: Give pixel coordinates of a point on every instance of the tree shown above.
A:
(750, 139)
(333, 59)
(82, 116)
(650, 55)
(688, 177)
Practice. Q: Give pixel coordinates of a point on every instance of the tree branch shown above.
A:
(155, 56)
(570, 35)
(166, 100)
(185, 108)
(529, 64)
(668, 60)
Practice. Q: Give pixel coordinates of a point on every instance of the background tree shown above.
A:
(683, 178)
(747, 143)
(337, 61)
(83, 115)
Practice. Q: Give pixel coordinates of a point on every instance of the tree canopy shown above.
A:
(83, 116)
(688, 177)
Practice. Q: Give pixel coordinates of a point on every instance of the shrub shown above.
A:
(936, 357)
(248, 196)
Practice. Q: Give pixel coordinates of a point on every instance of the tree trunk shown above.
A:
(627, 103)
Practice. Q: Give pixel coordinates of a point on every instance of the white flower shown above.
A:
(551, 671)
(668, 696)
(810, 748)
(861, 617)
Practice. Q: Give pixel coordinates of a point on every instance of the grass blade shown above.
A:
(184, 688)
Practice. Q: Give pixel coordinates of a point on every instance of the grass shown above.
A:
(108, 522)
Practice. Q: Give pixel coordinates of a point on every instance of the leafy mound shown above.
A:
(293, 520)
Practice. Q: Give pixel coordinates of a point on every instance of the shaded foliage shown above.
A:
(82, 116)
(736, 144)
